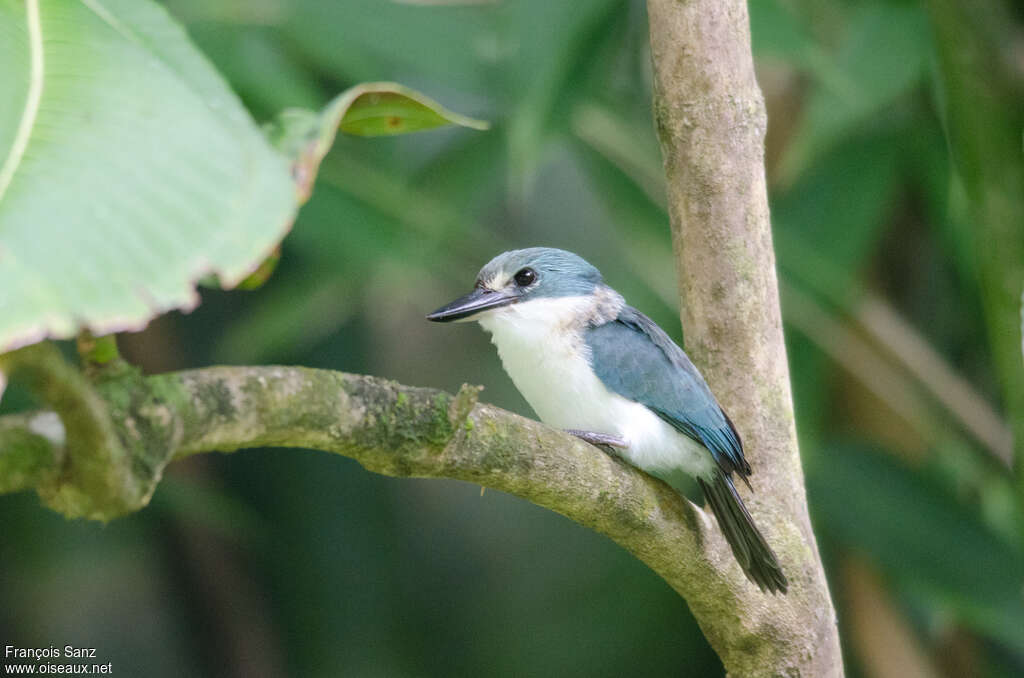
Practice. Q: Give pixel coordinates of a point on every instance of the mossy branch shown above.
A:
(413, 432)
(93, 473)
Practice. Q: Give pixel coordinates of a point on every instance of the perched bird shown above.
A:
(588, 363)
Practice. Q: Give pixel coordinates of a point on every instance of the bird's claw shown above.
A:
(604, 441)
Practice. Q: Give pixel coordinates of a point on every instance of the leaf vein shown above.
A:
(34, 96)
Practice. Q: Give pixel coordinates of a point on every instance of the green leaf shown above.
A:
(267, 77)
(128, 170)
(370, 109)
(383, 108)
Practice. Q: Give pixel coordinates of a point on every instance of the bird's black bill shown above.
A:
(480, 299)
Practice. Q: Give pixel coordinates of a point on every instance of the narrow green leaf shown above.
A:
(370, 109)
(128, 170)
(381, 109)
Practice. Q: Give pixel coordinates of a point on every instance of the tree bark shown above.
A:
(711, 121)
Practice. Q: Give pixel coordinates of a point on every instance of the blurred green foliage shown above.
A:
(284, 563)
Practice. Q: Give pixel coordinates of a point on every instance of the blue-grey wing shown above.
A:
(636, 359)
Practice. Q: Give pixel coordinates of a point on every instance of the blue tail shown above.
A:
(748, 545)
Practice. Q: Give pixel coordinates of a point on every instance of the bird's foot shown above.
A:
(604, 441)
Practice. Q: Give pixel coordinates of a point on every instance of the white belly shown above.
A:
(549, 367)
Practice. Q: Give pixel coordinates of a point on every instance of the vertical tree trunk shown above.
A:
(711, 121)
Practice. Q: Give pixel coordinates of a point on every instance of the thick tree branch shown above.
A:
(711, 122)
(97, 477)
(404, 431)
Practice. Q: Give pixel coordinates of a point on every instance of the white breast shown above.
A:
(541, 347)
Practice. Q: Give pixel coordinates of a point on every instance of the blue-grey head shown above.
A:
(518, 276)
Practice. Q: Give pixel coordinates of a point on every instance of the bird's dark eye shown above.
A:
(525, 277)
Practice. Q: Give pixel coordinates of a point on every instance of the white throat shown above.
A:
(537, 320)
(542, 349)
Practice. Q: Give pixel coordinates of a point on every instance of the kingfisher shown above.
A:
(588, 363)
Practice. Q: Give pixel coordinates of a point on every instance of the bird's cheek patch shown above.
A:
(497, 282)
